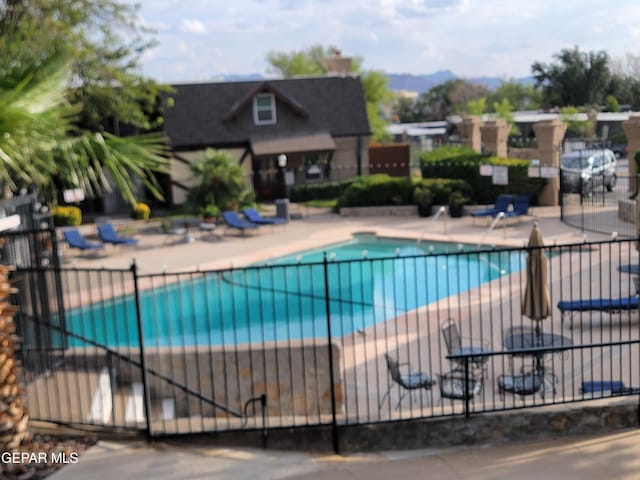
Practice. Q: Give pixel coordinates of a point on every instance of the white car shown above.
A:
(584, 171)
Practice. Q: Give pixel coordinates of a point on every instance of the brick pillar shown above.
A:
(593, 125)
(632, 131)
(470, 133)
(550, 134)
(494, 137)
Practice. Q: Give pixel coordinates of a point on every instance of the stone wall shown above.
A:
(385, 210)
(296, 378)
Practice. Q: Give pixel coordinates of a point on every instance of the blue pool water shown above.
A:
(285, 299)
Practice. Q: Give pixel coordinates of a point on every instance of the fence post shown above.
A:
(143, 364)
(467, 414)
(327, 303)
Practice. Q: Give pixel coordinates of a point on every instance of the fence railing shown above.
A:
(597, 206)
(297, 343)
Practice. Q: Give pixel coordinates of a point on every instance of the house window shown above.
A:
(264, 109)
(312, 167)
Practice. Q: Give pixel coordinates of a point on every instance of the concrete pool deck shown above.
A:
(158, 251)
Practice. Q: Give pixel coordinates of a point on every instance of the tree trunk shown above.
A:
(13, 415)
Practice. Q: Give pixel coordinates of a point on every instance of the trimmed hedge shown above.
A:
(464, 163)
(376, 190)
(381, 189)
(318, 191)
(66, 216)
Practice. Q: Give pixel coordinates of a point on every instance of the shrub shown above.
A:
(221, 182)
(140, 211)
(463, 163)
(318, 191)
(422, 196)
(66, 216)
(210, 211)
(377, 190)
(441, 188)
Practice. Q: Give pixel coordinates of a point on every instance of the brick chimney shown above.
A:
(338, 65)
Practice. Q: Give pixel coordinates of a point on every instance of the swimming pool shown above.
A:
(368, 280)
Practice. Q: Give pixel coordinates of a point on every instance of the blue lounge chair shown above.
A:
(233, 220)
(75, 240)
(502, 204)
(254, 217)
(520, 207)
(607, 305)
(600, 386)
(107, 234)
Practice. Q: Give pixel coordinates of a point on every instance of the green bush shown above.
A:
(464, 164)
(318, 191)
(441, 188)
(140, 211)
(66, 216)
(376, 190)
(210, 211)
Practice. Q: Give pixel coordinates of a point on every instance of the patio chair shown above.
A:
(408, 382)
(502, 205)
(605, 305)
(526, 383)
(254, 217)
(453, 341)
(520, 207)
(454, 385)
(107, 234)
(233, 220)
(75, 239)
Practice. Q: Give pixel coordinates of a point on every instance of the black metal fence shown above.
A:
(329, 342)
(594, 205)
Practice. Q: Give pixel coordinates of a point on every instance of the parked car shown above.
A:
(584, 171)
(619, 150)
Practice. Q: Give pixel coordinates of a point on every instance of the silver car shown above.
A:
(584, 171)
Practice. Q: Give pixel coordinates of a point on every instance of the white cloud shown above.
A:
(468, 37)
(192, 26)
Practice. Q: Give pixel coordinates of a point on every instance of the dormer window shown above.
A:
(264, 109)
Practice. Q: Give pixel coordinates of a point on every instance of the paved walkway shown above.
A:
(606, 456)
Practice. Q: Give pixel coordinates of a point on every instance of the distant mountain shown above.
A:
(422, 83)
(398, 81)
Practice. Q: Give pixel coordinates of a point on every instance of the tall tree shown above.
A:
(104, 41)
(575, 78)
(452, 96)
(311, 61)
(519, 95)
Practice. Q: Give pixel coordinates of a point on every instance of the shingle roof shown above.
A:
(206, 114)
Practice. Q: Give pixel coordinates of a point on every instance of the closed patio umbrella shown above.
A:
(536, 303)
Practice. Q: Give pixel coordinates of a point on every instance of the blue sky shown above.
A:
(202, 40)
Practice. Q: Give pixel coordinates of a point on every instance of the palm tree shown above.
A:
(39, 144)
(13, 414)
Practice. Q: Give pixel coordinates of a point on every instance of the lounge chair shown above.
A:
(607, 305)
(233, 220)
(502, 205)
(254, 217)
(520, 207)
(75, 240)
(600, 386)
(107, 234)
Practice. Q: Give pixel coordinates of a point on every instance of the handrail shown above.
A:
(153, 372)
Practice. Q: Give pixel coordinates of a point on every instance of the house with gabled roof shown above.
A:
(319, 123)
